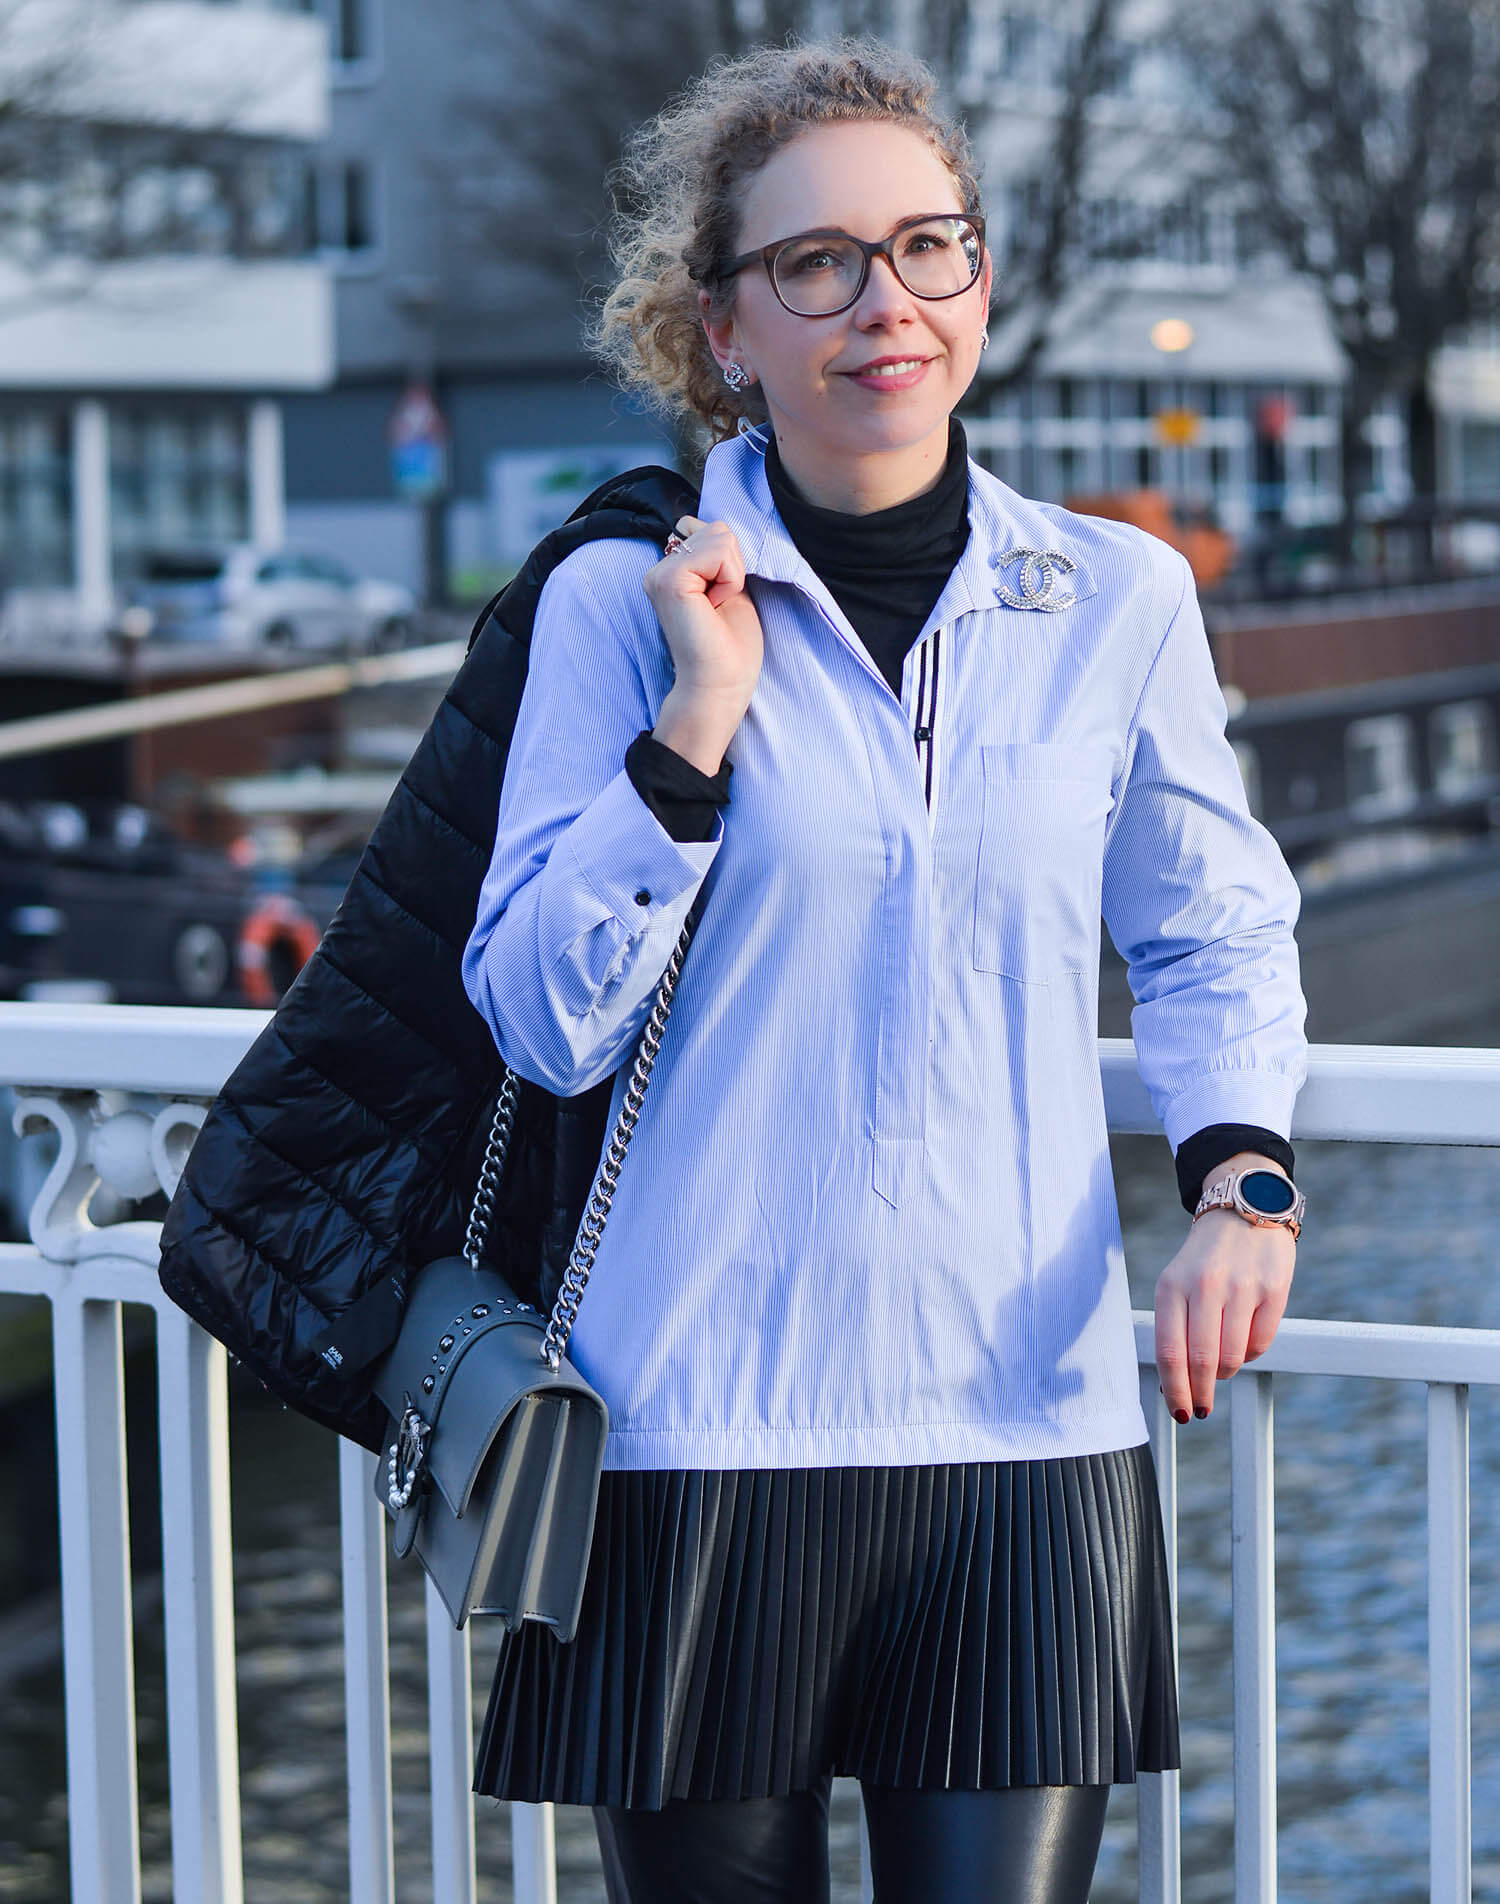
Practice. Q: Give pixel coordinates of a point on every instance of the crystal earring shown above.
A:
(737, 377)
(984, 339)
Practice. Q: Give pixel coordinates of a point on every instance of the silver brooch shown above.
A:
(1040, 571)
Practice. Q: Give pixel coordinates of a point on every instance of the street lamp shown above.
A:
(128, 634)
(1177, 424)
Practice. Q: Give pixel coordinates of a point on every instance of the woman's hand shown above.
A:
(1218, 1304)
(714, 633)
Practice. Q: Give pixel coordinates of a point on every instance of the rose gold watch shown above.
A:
(1259, 1195)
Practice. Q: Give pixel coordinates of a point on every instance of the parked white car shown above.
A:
(239, 596)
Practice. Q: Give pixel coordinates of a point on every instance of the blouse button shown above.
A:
(643, 898)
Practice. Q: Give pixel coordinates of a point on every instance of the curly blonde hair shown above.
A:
(679, 188)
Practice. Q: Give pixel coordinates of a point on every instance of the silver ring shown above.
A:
(675, 542)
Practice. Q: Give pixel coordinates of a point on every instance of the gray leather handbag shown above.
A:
(497, 1442)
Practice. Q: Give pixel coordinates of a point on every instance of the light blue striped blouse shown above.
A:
(868, 1214)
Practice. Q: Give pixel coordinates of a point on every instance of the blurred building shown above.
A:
(420, 300)
(1193, 361)
(248, 287)
(1186, 358)
(158, 298)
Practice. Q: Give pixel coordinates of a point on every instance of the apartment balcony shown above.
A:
(153, 234)
(253, 71)
(188, 323)
(123, 1091)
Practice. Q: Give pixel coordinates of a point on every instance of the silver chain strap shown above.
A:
(489, 1171)
(591, 1228)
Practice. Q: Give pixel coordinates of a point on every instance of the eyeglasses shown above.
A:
(819, 273)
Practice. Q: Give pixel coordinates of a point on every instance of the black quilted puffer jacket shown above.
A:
(343, 1151)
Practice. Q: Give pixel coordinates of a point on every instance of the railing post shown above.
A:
(367, 1694)
(1449, 1771)
(104, 1848)
(451, 1755)
(198, 1588)
(1159, 1794)
(533, 1853)
(1252, 1510)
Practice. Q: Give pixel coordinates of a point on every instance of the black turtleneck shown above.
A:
(885, 569)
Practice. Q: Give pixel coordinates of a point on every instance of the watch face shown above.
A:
(1267, 1192)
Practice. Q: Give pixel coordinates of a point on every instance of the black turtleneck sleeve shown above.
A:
(1200, 1153)
(684, 799)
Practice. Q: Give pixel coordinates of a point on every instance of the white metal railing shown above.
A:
(124, 1089)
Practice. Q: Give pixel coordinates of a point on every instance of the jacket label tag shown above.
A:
(366, 1329)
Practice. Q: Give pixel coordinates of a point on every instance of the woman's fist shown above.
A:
(707, 616)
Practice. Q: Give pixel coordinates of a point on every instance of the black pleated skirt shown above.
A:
(961, 1626)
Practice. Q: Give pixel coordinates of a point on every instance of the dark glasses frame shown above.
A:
(871, 249)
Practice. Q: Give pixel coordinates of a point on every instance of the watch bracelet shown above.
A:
(1289, 1219)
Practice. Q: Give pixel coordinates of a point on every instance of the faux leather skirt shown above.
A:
(960, 1626)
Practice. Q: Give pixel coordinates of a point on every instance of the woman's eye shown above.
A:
(813, 260)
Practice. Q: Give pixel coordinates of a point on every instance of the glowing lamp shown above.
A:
(1171, 334)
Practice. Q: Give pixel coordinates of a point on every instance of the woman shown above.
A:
(877, 1497)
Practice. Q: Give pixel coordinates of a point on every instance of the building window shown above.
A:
(36, 500)
(1461, 743)
(1378, 764)
(1479, 457)
(341, 207)
(350, 31)
(177, 477)
(354, 187)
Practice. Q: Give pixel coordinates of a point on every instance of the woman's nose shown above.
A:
(884, 294)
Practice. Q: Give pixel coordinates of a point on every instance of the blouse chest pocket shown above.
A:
(1041, 848)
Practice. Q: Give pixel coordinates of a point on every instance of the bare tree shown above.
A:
(1364, 136)
(1055, 247)
(533, 184)
(530, 180)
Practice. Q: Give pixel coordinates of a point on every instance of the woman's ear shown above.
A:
(721, 335)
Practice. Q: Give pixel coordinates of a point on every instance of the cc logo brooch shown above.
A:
(1041, 570)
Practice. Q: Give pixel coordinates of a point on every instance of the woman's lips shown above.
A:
(893, 377)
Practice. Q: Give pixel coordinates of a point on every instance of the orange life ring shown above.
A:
(277, 924)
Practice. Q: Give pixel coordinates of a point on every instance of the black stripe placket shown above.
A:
(921, 730)
(924, 728)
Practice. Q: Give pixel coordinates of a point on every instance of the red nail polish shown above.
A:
(1201, 1413)
(1181, 1414)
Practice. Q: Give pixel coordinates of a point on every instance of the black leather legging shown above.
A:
(1029, 1845)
